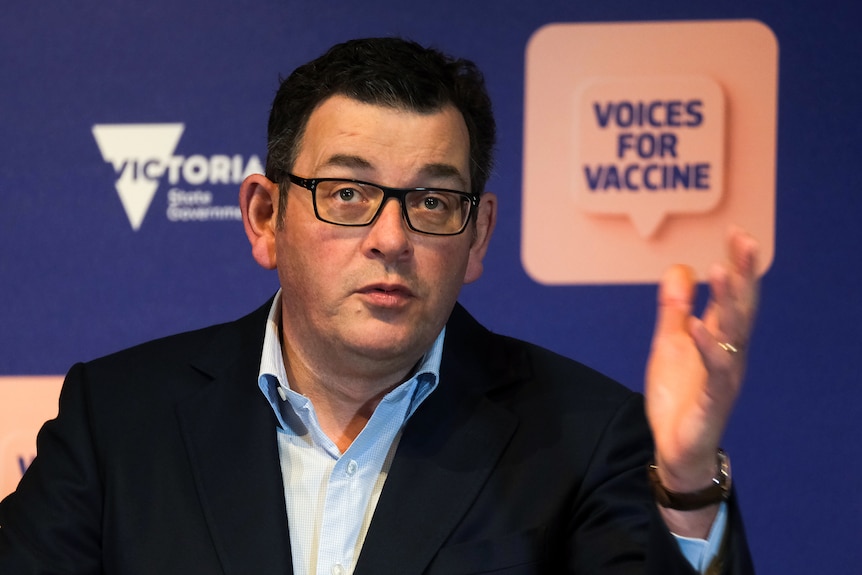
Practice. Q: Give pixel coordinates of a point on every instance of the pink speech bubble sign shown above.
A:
(571, 240)
(648, 147)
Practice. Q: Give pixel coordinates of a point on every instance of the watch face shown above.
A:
(723, 476)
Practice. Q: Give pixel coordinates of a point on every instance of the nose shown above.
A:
(388, 236)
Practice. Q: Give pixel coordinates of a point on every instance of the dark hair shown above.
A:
(385, 72)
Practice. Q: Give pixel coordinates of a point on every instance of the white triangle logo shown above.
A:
(140, 154)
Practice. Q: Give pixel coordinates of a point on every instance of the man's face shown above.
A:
(377, 294)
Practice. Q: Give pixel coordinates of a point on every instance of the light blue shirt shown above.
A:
(331, 496)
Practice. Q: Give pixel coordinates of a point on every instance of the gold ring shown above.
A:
(728, 347)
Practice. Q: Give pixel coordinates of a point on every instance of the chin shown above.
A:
(385, 343)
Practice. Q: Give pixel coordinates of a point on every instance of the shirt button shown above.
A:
(351, 469)
(337, 569)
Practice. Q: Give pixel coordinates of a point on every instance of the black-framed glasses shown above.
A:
(346, 202)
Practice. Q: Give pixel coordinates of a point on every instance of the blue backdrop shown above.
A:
(77, 282)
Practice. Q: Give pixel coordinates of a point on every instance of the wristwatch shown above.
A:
(718, 490)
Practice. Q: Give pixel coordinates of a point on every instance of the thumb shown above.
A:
(675, 300)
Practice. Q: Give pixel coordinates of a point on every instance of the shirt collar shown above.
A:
(272, 377)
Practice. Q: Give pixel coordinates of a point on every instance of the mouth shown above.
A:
(386, 294)
(387, 289)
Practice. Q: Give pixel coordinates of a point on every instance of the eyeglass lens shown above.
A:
(353, 203)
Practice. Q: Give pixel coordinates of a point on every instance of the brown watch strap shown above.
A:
(716, 492)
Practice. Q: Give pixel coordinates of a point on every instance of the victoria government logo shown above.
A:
(142, 156)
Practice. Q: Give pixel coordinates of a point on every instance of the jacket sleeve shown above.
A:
(617, 527)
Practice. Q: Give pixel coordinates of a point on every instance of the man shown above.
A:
(362, 421)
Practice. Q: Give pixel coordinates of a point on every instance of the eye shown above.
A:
(348, 194)
(434, 201)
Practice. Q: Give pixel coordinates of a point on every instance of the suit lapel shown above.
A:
(230, 435)
(448, 449)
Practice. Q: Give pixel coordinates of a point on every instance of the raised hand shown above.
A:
(696, 365)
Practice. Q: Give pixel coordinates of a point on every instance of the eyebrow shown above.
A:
(347, 161)
(438, 170)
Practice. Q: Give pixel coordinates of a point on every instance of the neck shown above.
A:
(344, 400)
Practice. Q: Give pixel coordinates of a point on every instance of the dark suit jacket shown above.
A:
(164, 460)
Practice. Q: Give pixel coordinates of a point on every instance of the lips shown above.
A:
(386, 287)
(386, 294)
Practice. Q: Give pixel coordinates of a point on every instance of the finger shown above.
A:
(717, 349)
(675, 297)
(742, 264)
(742, 253)
(725, 369)
(733, 290)
(727, 316)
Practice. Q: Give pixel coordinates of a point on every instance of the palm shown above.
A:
(691, 381)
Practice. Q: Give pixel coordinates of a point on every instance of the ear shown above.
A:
(258, 201)
(486, 219)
